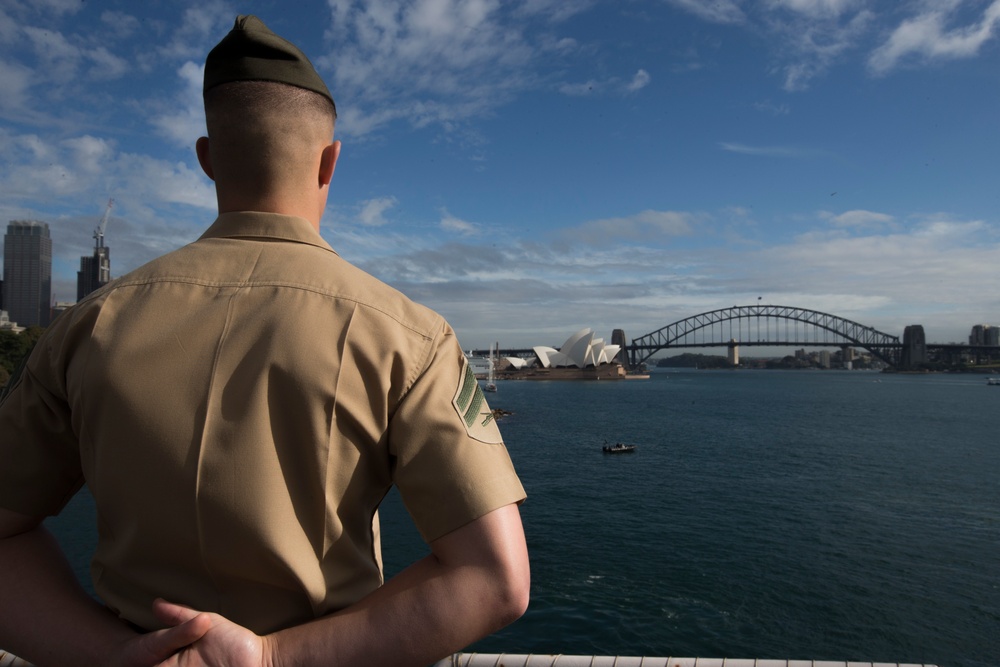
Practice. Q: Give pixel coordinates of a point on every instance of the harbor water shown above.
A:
(824, 515)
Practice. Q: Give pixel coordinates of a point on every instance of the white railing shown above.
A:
(509, 660)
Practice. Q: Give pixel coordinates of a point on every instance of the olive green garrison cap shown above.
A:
(251, 52)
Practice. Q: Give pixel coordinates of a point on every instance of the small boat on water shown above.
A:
(993, 381)
(617, 448)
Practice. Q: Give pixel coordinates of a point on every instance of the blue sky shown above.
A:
(532, 167)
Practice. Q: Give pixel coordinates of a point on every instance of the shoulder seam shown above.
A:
(243, 284)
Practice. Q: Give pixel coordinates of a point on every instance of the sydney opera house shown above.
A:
(580, 350)
(581, 355)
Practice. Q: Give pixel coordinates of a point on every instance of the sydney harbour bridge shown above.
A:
(781, 326)
(770, 325)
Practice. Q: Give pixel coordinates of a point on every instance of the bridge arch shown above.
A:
(682, 333)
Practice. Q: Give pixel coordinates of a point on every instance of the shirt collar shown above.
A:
(254, 224)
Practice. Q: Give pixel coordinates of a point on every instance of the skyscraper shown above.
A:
(95, 271)
(27, 272)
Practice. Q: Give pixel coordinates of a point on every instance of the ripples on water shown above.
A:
(797, 515)
(820, 515)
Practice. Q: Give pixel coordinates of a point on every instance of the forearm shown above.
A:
(422, 614)
(45, 616)
(474, 583)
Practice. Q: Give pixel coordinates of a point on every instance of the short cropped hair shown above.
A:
(257, 97)
(263, 132)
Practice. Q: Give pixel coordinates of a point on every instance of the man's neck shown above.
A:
(271, 205)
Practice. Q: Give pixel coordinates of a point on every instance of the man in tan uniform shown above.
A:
(238, 409)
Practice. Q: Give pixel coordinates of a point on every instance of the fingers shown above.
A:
(187, 626)
(155, 647)
(172, 614)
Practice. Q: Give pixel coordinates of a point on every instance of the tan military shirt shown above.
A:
(239, 408)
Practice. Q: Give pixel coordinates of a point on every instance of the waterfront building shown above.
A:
(27, 272)
(7, 325)
(480, 365)
(984, 334)
(517, 363)
(580, 350)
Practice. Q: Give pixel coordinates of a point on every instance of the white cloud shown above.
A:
(949, 231)
(88, 154)
(858, 218)
(639, 81)
(767, 151)
(432, 47)
(120, 23)
(61, 58)
(930, 275)
(373, 211)
(809, 37)
(450, 223)
(767, 106)
(926, 36)
(58, 7)
(35, 169)
(817, 8)
(814, 43)
(610, 85)
(147, 179)
(106, 64)
(184, 122)
(15, 81)
(806, 36)
(201, 27)
(646, 226)
(719, 11)
(434, 61)
(38, 169)
(645, 273)
(556, 10)
(8, 28)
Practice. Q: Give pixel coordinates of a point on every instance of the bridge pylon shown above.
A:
(733, 357)
(618, 338)
(914, 352)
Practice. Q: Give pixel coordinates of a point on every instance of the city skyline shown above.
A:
(94, 270)
(532, 168)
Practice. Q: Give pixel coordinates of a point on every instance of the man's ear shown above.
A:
(328, 163)
(201, 147)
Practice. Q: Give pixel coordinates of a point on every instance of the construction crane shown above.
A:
(99, 232)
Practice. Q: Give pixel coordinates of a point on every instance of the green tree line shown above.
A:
(14, 347)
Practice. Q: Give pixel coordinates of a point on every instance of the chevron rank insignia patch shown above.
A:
(470, 403)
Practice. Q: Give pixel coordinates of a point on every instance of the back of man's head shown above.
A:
(267, 109)
(265, 134)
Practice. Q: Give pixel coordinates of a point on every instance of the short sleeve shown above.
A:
(41, 461)
(450, 463)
